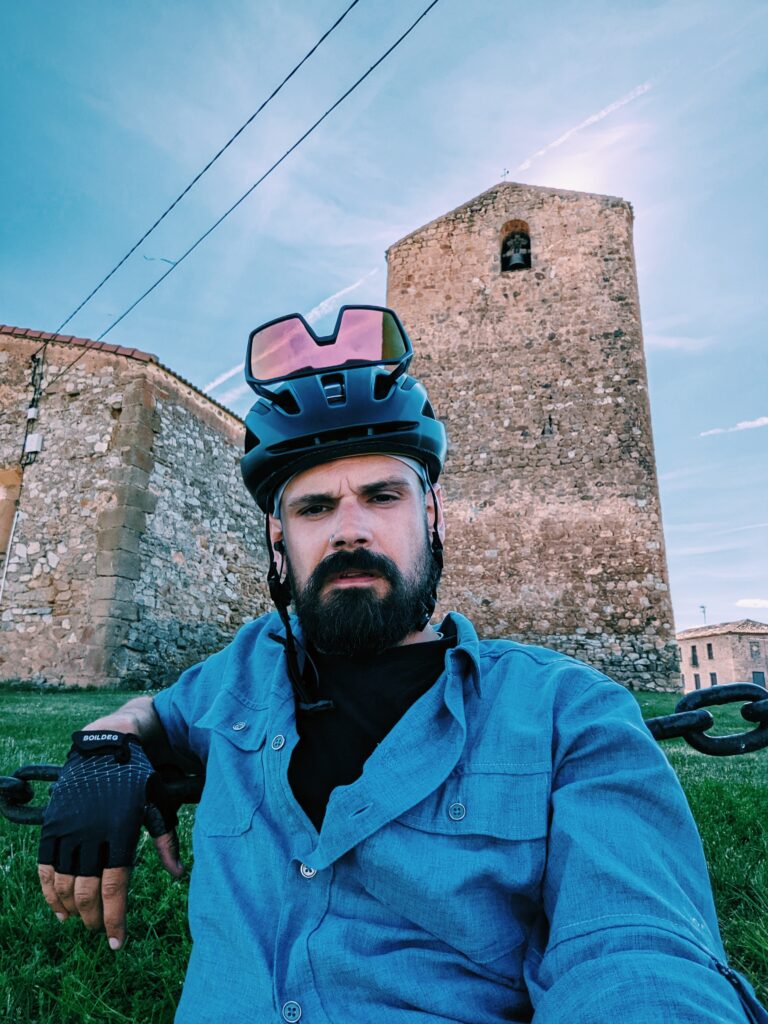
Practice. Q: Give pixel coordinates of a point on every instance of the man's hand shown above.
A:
(91, 828)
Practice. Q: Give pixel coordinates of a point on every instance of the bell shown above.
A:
(517, 261)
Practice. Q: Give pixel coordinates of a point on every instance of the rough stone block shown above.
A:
(118, 563)
(118, 538)
(124, 516)
(135, 497)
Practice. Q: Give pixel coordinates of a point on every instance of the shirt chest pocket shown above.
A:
(234, 774)
(466, 864)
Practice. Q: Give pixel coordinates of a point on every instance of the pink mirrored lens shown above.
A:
(364, 335)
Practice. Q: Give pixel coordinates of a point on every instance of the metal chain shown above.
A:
(690, 721)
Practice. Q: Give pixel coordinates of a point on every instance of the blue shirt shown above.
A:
(517, 844)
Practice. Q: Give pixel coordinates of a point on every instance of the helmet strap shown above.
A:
(307, 692)
(437, 554)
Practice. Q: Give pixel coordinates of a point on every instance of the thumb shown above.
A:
(167, 846)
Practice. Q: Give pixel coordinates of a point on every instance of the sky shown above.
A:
(109, 110)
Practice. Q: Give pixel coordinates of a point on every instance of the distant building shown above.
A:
(733, 652)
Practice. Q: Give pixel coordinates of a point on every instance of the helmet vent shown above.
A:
(348, 435)
(382, 386)
(334, 388)
(286, 400)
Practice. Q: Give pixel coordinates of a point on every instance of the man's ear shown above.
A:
(438, 492)
(276, 535)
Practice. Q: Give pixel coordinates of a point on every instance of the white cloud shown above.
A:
(639, 90)
(761, 421)
(752, 602)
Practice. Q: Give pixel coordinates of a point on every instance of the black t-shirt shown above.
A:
(370, 696)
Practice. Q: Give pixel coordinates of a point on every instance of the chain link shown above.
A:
(690, 721)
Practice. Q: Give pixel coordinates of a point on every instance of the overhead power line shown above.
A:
(253, 187)
(208, 166)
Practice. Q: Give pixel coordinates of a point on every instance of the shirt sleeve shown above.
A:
(184, 703)
(633, 933)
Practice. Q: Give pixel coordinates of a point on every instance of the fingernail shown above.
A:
(61, 917)
(114, 943)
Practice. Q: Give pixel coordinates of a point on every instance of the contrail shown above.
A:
(327, 304)
(311, 317)
(639, 90)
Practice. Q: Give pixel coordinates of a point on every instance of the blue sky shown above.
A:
(108, 110)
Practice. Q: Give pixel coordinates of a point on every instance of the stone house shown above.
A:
(137, 550)
(731, 652)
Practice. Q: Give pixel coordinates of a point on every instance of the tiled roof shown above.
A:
(130, 353)
(742, 626)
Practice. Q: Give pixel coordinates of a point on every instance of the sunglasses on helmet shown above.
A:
(288, 347)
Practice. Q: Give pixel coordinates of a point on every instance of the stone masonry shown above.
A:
(138, 551)
(554, 521)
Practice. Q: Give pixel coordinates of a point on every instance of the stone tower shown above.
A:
(524, 313)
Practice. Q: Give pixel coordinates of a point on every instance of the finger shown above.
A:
(64, 887)
(167, 846)
(114, 898)
(46, 874)
(88, 902)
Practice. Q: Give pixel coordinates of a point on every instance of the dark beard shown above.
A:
(356, 620)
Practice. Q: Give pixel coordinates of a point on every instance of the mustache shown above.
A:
(360, 560)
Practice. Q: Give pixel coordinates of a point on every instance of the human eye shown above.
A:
(385, 498)
(312, 511)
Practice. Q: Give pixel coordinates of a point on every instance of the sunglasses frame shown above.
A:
(401, 364)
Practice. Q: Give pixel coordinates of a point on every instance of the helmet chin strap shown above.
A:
(437, 554)
(307, 693)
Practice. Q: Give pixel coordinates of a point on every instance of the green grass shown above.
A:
(53, 973)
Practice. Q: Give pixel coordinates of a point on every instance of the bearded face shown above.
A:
(355, 619)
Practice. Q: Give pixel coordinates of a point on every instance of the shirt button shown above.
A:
(457, 811)
(307, 871)
(239, 726)
(277, 743)
(291, 1010)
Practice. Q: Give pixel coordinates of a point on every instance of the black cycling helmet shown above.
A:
(324, 398)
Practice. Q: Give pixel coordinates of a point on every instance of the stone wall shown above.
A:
(124, 567)
(553, 511)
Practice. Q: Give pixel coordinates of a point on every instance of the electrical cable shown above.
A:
(253, 187)
(208, 166)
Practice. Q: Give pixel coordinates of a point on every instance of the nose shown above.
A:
(350, 528)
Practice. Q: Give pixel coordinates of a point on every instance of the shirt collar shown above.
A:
(467, 649)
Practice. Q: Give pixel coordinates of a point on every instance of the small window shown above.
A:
(697, 680)
(682, 678)
(754, 649)
(713, 678)
(515, 246)
(758, 678)
(710, 654)
(694, 656)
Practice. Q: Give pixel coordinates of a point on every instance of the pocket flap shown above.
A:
(500, 804)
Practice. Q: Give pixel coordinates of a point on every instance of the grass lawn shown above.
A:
(53, 973)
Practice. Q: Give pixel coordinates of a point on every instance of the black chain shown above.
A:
(689, 721)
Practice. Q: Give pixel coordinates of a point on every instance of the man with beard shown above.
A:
(400, 823)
